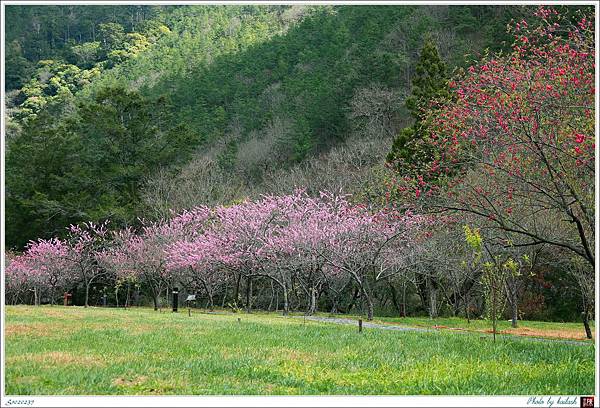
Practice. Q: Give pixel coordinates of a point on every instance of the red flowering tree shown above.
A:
(516, 145)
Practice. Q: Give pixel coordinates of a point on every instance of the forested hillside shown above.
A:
(221, 102)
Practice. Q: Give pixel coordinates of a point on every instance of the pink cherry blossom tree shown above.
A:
(85, 243)
(17, 277)
(47, 261)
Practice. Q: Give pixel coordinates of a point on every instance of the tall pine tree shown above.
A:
(429, 83)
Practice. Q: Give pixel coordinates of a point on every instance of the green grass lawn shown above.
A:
(551, 330)
(58, 350)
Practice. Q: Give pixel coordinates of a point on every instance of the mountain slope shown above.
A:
(244, 99)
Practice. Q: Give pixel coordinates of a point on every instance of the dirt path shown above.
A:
(337, 320)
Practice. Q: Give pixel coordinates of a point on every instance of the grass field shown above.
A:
(550, 330)
(58, 351)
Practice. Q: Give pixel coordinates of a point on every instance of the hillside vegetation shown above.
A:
(225, 102)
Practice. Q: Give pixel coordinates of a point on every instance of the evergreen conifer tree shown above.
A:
(429, 83)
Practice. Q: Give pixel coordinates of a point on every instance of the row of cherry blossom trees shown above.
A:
(317, 242)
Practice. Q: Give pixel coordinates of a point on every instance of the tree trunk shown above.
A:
(236, 293)
(353, 301)
(225, 294)
(209, 304)
(313, 301)
(494, 310)
(586, 323)
(368, 301)
(155, 300)
(433, 313)
(87, 293)
(467, 303)
(515, 313)
(394, 294)
(272, 296)
(334, 305)
(248, 294)
(286, 306)
(404, 299)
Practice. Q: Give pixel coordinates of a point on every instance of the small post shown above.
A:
(360, 325)
(175, 298)
(189, 312)
(239, 320)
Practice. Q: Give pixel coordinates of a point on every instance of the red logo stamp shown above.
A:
(587, 402)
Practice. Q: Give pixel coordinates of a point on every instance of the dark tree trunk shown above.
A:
(494, 310)
(87, 293)
(433, 292)
(369, 304)
(272, 296)
(225, 294)
(248, 294)
(286, 305)
(467, 304)
(353, 301)
(515, 314)
(236, 294)
(313, 301)
(422, 291)
(368, 299)
(586, 323)
(210, 304)
(404, 299)
(394, 294)
(155, 300)
(334, 308)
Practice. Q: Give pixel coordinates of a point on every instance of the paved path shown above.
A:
(338, 320)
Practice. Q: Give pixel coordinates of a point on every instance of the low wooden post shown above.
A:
(360, 325)
(239, 320)
(189, 311)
